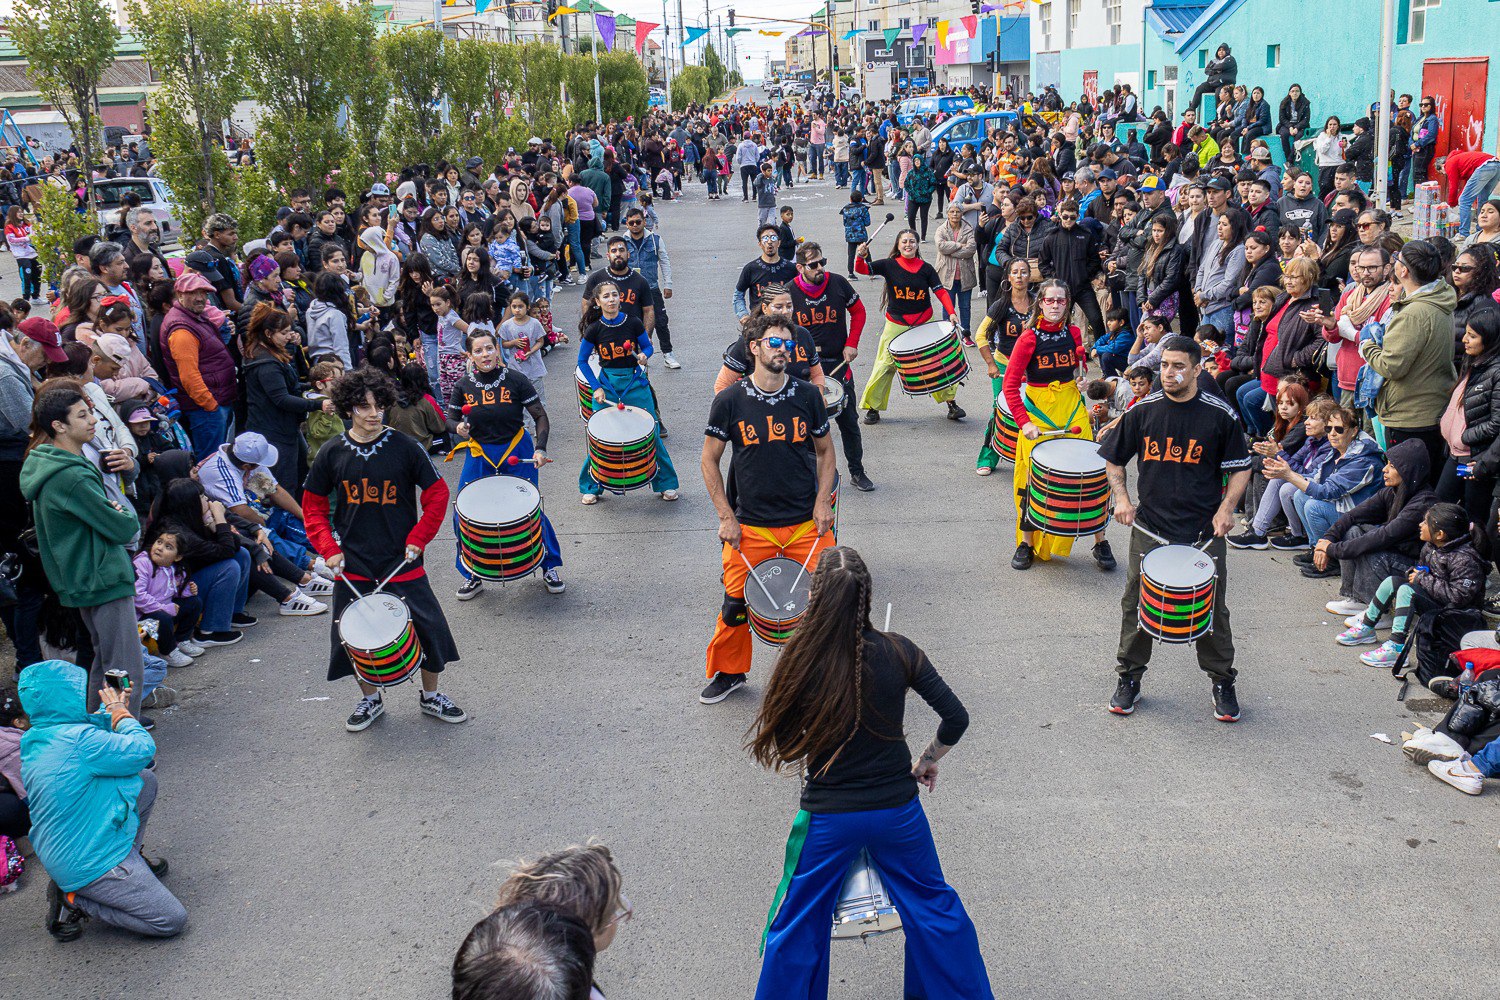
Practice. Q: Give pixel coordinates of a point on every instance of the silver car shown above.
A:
(154, 195)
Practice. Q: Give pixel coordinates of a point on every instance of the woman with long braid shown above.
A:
(834, 710)
(1048, 360)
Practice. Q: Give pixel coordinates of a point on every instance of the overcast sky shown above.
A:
(750, 43)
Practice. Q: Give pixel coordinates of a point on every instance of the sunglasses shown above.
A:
(1364, 225)
(1065, 215)
(1054, 300)
(1336, 428)
(770, 238)
(820, 262)
(1457, 269)
(776, 343)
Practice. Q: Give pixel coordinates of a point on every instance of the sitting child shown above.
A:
(1146, 351)
(1450, 573)
(1113, 348)
(164, 594)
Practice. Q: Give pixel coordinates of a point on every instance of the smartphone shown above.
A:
(1326, 301)
(117, 679)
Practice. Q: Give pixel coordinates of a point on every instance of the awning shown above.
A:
(1174, 20)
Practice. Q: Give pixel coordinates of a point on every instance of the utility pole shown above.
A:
(1382, 122)
(708, 22)
(594, 38)
(666, 27)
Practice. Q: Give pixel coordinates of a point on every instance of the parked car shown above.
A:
(932, 104)
(972, 128)
(850, 93)
(154, 195)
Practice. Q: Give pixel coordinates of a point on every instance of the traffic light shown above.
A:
(974, 6)
(731, 17)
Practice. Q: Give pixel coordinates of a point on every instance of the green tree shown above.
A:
(414, 63)
(369, 112)
(59, 224)
(691, 86)
(623, 90)
(195, 47)
(177, 146)
(718, 75)
(67, 45)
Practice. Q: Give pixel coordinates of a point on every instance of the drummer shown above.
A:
(803, 360)
(826, 304)
(910, 283)
(623, 344)
(996, 337)
(1187, 445)
(486, 413)
(376, 475)
(1048, 360)
(767, 269)
(781, 474)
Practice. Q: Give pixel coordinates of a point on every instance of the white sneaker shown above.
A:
(1344, 606)
(1461, 774)
(670, 361)
(177, 658)
(318, 586)
(1425, 746)
(589, 499)
(161, 696)
(320, 568)
(300, 604)
(191, 648)
(668, 495)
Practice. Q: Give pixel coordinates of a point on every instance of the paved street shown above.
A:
(1161, 856)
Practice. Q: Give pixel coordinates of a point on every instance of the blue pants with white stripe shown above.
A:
(942, 948)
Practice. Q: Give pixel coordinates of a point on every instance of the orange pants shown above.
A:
(729, 650)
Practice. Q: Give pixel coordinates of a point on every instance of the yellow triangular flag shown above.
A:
(942, 34)
(561, 11)
(773, 34)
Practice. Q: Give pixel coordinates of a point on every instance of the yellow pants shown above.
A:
(1058, 406)
(877, 394)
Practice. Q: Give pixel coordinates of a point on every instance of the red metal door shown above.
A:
(1459, 86)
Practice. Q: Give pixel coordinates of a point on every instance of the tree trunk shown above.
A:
(86, 116)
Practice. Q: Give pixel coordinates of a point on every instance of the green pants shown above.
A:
(1215, 650)
(989, 458)
(877, 394)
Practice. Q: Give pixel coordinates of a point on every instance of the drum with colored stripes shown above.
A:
(833, 397)
(1177, 593)
(622, 448)
(833, 501)
(376, 631)
(775, 606)
(929, 358)
(1068, 493)
(1006, 429)
(586, 404)
(500, 528)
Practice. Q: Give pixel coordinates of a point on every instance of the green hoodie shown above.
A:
(1416, 358)
(81, 533)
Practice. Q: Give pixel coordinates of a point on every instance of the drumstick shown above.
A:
(810, 552)
(517, 460)
(889, 218)
(1061, 430)
(350, 582)
(836, 369)
(887, 617)
(1148, 532)
(758, 583)
(399, 566)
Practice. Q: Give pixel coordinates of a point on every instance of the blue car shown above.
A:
(972, 129)
(935, 104)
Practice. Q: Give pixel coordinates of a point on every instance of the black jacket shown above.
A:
(1361, 153)
(1267, 272)
(1017, 242)
(1466, 305)
(1165, 277)
(1071, 256)
(276, 405)
(1482, 414)
(1222, 71)
(1397, 511)
(1454, 574)
(1294, 115)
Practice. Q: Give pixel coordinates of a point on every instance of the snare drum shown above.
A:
(864, 909)
(586, 404)
(500, 527)
(622, 448)
(1177, 593)
(833, 397)
(377, 633)
(929, 358)
(775, 625)
(1068, 493)
(1006, 429)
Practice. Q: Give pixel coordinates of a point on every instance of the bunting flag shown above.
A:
(606, 26)
(480, 6)
(917, 31)
(890, 36)
(850, 33)
(559, 12)
(691, 35)
(642, 29)
(987, 8)
(942, 34)
(971, 25)
(773, 34)
(731, 32)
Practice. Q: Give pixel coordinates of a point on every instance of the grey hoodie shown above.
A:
(328, 331)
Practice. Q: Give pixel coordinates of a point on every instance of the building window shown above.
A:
(916, 55)
(1273, 57)
(904, 23)
(1074, 7)
(1044, 24)
(1416, 31)
(1202, 58)
(875, 24)
(1150, 79)
(1113, 18)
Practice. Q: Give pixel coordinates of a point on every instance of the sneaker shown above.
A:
(320, 568)
(1312, 572)
(470, 589)
(159, 866)
(442, 708)
(968, 339)
(983, 470)
(1288, 543)
(191, 648)
(370, 708)
(300, 604)
(955, 412)
(147, 723)
(554, 581)
(1492, 606)
(318, 586)
(872, 416)
(226, 638)
(177, 658)
(589, 499)
(1104, 556)
(1226, 705)
(1425, 746)
(64, 920)
(1461, 774)
(861, 482)
(1127, 695)
(241, 620)
(1388, 653)
(1023, 557)
(668, 495)
(160, 697)
(1444, 687)
(670, 361)
(1360, 633)
(1345, 606)
(721, 687)
(1249, 540)
(1303, 558)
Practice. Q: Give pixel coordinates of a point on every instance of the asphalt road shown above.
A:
(1161, 856)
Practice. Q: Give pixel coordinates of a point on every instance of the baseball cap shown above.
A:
(1151, 182)
(254, 448)
(138, 414)
(192, 281)
(1108, 174)
(534, 141)
(1260, 153)
(112, 346)
(1220, 184)
(379, 189)
(44, 332)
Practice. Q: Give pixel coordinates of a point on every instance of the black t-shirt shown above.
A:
(799, 359)
(826, 315)
(635, 291)
(773, 467)
(757, 274)
(616, 345)
(497, 401)
(906, 291)
(874, 769)
(1008, 324)
(373, 489)
(1185, 450)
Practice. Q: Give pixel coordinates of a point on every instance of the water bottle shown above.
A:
(1465, 681)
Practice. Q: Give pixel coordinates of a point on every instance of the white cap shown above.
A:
(254, 448)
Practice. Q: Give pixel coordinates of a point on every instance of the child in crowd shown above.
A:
(479, 312)
(652, 222)
(856, 216)
(451, 330)
(1450, 573)
(1215, 354)
(1107, 400)
(788, 238)
(1113, 348)
(765, 194)
(20, 308)
(664, 181)
(416, 413)
(164, 595)
(322, 427)
(1145, 352)
(15, 814)
(522, 338)
(1140, 380)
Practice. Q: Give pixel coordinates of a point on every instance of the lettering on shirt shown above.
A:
(906, 293)
(363, 491)
(776, 430)
(814, 317)
(1153, 450)
(489, 396)
(615, 350)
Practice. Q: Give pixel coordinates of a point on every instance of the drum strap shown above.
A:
(475, 448)
(1042, 418)
(771, 539)
(794, 842)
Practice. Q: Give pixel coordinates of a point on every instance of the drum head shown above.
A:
(1177, 567)
(1069, 456)
(593, 367)
(613, 425)
(833, 394)
(497, 500)
(373, 622)
(777, 574)
(921, 337)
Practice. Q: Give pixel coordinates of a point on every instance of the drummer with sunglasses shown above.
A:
(828, 307)
(767, 269)
(777, 502)
(1192, 468)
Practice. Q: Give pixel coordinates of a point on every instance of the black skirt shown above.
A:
(438, 647)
